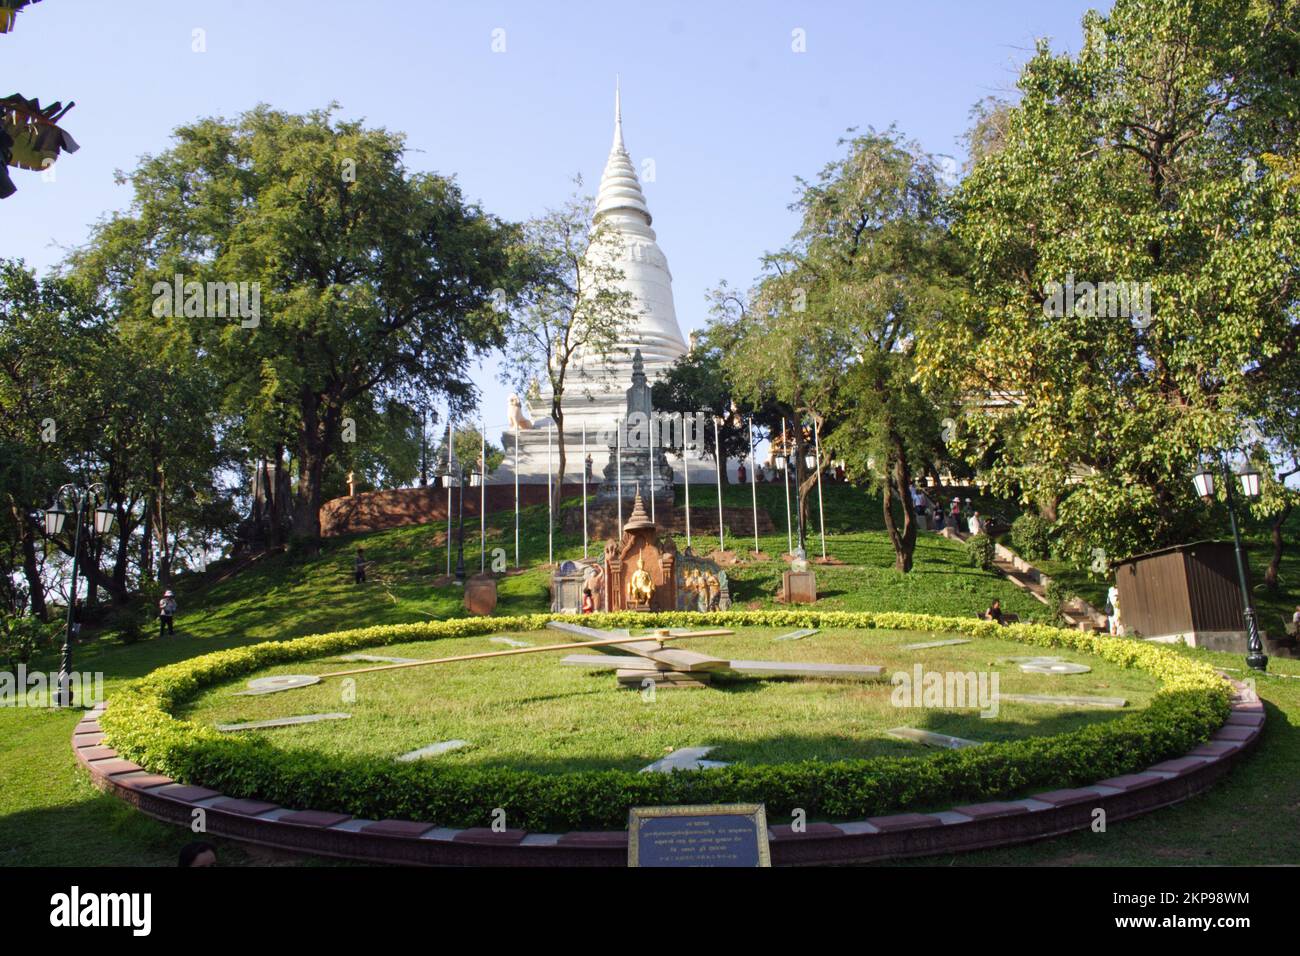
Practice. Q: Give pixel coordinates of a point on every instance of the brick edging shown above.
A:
(969, 827)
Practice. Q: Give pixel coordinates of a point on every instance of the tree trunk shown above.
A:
(31, 570)
(557, 413)
(274, 499)
(1275, 562)
(313, 450)
(146, 544)
(900, 475)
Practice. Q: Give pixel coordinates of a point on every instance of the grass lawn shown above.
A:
(531, 711)
(50, 814)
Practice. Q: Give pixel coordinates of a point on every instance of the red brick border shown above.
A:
(971, 827)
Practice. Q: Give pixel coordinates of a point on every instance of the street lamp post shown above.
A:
(1203, 480)
(456, 479)
(55, 517)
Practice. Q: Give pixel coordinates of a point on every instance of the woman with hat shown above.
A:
(166, 614)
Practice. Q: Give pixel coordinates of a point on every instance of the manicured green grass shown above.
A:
(50, 814)
(532, 712)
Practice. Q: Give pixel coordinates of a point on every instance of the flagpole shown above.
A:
(717, 457)
(516, 495)
(753, 481)
(449, 423)
(482, 495)
(584, 488)
(785, 474)
(821, 510)
(653, 429)
(686, 473)
(550, 497)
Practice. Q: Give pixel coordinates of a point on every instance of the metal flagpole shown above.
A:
(653, 429)
(686, 474)
(550, 497)
(753, 481)
(584, 488)
(516, 495)
(785, 474)
(482, 495)
(618, 457)
(821, 510)
(717, 457)
(448, 495)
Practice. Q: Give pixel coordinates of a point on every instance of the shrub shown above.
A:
(1192, 703)
(1031, 536)
(1057, 598)
(21, 636)
(980, 550)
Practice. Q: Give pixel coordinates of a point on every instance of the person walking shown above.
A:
(167, 614)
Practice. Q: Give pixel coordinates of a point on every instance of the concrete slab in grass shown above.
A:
(280, 722)
(433, 750)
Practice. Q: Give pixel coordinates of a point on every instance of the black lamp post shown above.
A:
(1256, 659)
(55, 517)
(456, 479)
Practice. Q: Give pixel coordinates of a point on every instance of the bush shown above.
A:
(1192, 703)
(980, 550)
(1031, 536)
(21, 636)
(1057, 598)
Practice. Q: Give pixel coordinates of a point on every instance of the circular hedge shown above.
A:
(1192, 703)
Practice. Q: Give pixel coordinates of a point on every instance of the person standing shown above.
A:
(588, 602)
(1113, 625)
(167, 614)
(359, 567)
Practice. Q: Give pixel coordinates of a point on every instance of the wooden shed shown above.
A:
(1188, 593)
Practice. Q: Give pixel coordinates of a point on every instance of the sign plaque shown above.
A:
(715, 835)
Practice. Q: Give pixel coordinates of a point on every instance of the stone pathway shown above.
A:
(510, 641)
(928, 644)
(379, 659)
(1078, 613)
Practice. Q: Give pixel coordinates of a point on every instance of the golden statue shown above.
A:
(641, 587)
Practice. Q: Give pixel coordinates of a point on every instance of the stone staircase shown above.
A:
(1077, 613)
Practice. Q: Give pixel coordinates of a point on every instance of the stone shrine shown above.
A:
(640, 573)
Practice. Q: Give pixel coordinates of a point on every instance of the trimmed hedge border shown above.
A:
(1192, 703)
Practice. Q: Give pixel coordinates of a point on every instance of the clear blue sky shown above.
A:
(712, 92)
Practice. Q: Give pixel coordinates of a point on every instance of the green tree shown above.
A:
(1134, 167)
(358, 280)
(567, 322)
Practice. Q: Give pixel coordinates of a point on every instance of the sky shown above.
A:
(515, 98)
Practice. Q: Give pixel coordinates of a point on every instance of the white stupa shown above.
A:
(595, 395)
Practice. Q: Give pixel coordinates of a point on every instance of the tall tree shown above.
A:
(566, 324)
(833, 331)
(357, 278)
(1134, 267)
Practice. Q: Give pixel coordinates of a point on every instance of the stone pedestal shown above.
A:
(800, 587)
(481, 595)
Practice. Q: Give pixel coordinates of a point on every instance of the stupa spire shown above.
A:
(618, 116)
(620, 190)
